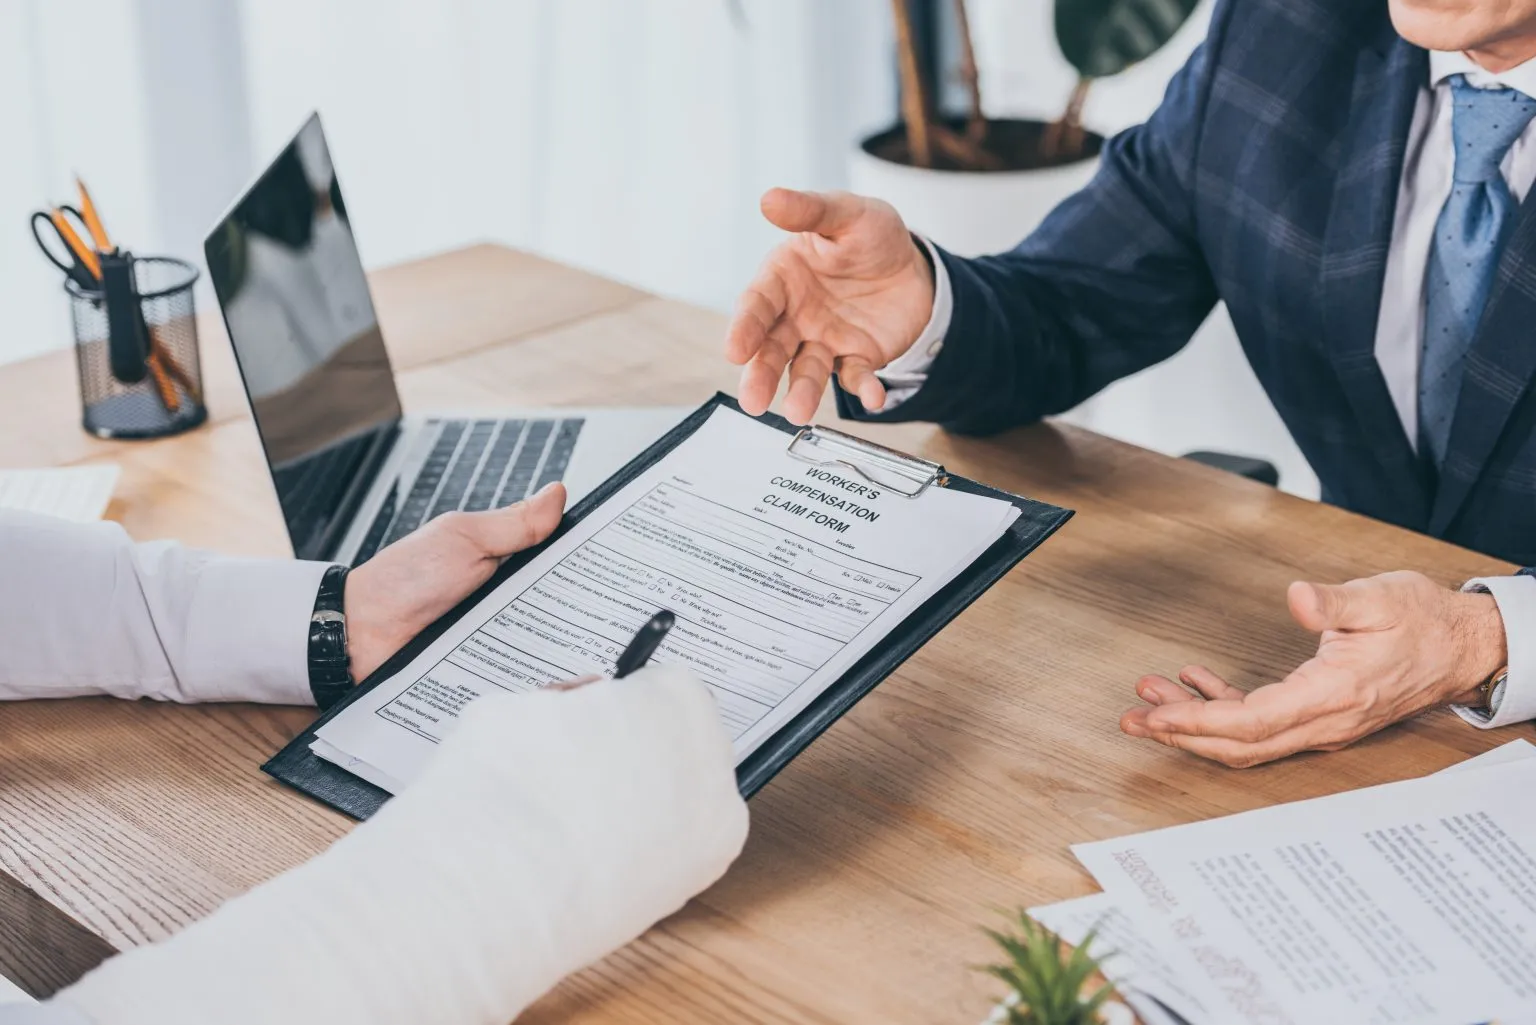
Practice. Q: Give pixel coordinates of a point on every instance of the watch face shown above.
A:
(1496, 694)
(328, 616)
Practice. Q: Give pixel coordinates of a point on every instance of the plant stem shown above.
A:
(976, 126)
(1064, 138)
(914, 105)
(1074, 116)
(970, 155)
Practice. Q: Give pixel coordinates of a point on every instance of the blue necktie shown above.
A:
(1469, 237)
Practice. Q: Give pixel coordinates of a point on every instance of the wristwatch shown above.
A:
(330, 667)
(1491, 693)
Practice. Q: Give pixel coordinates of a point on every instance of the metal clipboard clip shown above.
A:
(895, 471)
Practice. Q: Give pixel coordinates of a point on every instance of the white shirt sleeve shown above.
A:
(1516, 700)
(907, 373)
(84, 610)
(550, 829)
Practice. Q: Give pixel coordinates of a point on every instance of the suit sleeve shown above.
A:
(1112, 282)
(84, 610)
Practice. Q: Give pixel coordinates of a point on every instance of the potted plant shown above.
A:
(1050, 983)
(978, 184)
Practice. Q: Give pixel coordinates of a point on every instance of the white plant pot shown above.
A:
(968, 213)
(1112, 1012)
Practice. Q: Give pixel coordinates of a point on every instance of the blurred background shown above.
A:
(628, 137)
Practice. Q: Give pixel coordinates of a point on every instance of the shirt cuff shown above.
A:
(905, 375)
(259, 651)
(1516, 598)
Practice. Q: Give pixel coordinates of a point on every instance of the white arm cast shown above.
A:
(551, 829)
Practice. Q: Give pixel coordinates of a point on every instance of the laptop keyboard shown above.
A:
(475, 465)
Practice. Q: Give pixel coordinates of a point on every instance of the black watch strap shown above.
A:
(330, 667)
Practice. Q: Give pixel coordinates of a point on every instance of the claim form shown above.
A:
(781, 574)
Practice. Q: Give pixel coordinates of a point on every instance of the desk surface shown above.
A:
(956, 787)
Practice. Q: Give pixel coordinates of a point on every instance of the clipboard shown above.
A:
(298, 767)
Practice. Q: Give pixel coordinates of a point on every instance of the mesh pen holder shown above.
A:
(136, 347)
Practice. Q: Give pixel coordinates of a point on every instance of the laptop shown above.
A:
(353, 471)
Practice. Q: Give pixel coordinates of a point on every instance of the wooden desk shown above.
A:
(956, 787)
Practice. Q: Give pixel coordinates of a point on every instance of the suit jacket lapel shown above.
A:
(1388, 76)
(1497, 371)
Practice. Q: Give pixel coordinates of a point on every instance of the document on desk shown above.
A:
(11, 994)
(781, 573)
(1144, 956)
(1413, 902)
(78, 493)
(1137, 952)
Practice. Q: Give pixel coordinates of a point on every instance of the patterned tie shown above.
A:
(1469, 236)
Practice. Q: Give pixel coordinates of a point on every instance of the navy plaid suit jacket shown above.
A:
(1267, 179)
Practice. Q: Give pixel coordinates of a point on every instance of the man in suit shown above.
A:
(1347, 176)
(550, 829)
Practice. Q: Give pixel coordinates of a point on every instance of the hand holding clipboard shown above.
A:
(801, 569)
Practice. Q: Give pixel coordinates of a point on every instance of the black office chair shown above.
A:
(1244, 466)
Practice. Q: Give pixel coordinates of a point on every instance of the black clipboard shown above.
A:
(298, 767)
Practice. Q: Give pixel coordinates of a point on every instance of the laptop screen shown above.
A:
(288, 276)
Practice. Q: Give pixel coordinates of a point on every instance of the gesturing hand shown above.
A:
(849, 292)
(1392, 646)
(407, 586)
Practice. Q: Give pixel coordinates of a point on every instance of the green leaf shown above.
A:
(1050, 986)
(1104, 37)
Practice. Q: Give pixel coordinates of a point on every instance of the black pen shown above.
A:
(647, 639)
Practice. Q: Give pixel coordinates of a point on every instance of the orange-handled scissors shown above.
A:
(69, 226)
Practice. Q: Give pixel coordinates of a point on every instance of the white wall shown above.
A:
(143, 99)
(633, 138)
(61, 111)
(193, 82)
(1206, 397)
(629, 137)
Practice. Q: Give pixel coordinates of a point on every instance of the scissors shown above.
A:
(66, 225)
(63, 227)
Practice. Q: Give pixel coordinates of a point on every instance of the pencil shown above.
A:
(76, 244)
(92, 219)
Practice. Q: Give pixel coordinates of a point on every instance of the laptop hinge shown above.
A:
(330, 539)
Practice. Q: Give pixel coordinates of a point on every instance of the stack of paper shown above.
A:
(1413, 902)
(79, 493)
(10, 993)
(781, 573)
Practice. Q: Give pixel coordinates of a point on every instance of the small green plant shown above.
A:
(1048, 986)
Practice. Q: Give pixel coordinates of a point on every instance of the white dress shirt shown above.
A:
(84, 610)
(1422, 192)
